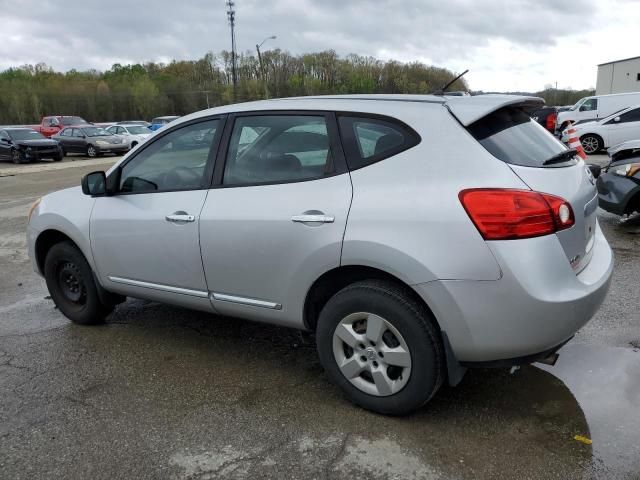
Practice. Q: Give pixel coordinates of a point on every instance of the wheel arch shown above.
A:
(332, 281)
(45, 241)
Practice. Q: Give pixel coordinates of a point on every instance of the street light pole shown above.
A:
(262, 74)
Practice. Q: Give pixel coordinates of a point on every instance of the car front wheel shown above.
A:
(72, 286)
(381, 347)
(17, 157)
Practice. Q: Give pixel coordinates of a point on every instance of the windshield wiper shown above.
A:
(561, 157)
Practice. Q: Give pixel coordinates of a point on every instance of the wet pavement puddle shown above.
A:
(606, 384)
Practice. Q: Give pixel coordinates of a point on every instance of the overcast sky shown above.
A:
(517, 45)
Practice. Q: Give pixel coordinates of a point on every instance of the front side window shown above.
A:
(72, 120)
(277, 148)
(176, 161)
(369, 140)
(76, 133)
(589, 105)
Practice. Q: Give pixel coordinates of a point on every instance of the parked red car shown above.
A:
(53, 124)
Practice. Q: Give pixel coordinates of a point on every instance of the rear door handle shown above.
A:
(313, 219)
(180, 218)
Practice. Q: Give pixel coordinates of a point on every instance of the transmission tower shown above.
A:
(231, 15)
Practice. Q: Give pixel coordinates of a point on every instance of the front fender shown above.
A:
(66, 211)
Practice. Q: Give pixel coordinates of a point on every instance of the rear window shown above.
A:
(512, 136)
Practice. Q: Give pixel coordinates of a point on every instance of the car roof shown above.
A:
(467, 109)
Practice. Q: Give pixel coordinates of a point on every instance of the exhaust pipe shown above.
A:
(550, 359)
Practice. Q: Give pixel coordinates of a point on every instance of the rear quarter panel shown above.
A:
(406, 217)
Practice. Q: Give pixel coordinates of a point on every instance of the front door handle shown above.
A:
(180, 218)
(315, 218)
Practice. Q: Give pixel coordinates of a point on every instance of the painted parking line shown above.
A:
(44, 167)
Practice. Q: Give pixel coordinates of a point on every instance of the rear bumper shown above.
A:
(538, 303)
(615, 191)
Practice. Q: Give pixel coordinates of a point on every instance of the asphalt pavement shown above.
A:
(163, 392)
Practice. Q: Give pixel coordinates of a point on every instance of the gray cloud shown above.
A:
(95, 34)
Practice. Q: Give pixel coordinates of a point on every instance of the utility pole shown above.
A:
(231, 15)
(262, 74)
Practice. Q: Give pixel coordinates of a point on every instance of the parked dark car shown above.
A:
(546, 117)
(23, 145)
(90, 140)
(619, 183)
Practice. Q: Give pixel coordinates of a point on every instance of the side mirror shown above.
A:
(94, 184)
(617, 119)
(5, 140)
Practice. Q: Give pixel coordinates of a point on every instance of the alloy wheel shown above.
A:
(91, 151)
(372, 354)
(590, 144)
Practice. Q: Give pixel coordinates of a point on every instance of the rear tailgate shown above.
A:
(510, 135)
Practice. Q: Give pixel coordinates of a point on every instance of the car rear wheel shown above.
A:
(591, 144)
(92, 151)
(381, 347)
(72, 286)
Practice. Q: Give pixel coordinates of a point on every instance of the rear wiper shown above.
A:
(561, 157)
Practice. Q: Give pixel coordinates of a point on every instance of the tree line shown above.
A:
(142, 91)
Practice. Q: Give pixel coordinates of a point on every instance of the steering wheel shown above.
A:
(182, 177)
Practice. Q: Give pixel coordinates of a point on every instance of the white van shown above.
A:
(596, 107)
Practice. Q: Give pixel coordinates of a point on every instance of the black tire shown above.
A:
(591, 144)
(17, 157)
(72, 286)
(410, 319)
(59, 156)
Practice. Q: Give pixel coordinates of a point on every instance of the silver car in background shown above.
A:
(417, 236)
(132, 134)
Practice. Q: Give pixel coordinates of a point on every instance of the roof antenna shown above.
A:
(443, 89)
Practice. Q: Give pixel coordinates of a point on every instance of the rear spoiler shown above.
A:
(470, 109)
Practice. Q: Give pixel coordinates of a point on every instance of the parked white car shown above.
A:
(596, 108)
(612, 130)
(132, 134)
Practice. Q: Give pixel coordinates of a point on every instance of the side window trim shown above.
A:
(211, 158)
(339, 165)
(350, 142)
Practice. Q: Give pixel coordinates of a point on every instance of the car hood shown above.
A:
(44, 142)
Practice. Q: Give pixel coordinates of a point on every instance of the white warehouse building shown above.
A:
(620, 76)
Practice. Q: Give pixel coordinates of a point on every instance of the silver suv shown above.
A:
(417, 236)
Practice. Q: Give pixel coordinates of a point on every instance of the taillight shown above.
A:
(505, 214)
(551, 121)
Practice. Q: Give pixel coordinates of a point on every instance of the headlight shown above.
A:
(101, 142)
(33, 206)
(628, 170)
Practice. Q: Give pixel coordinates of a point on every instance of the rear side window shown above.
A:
(369, 140)
(512, 136)
(277, 149)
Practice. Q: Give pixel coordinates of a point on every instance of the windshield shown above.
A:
(95, 132)
(577, 105)
(73, 120)
(25, 135)
(510, 135)
(138, 130)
